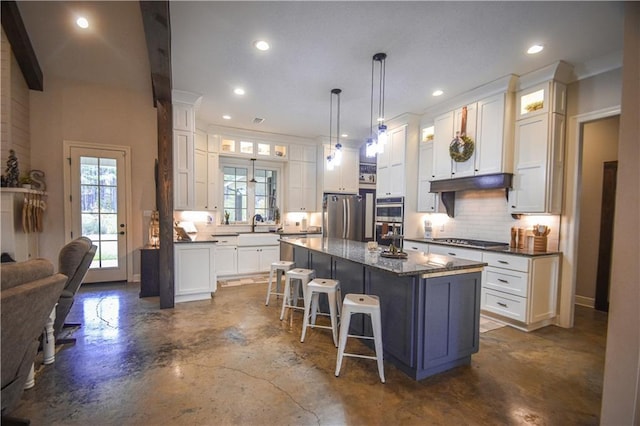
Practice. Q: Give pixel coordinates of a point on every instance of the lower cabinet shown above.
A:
(257, 259)
(415, 246)
(195, 272)
(226, 260)
(520, 290)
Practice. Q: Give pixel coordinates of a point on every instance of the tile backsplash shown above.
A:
(484, 215)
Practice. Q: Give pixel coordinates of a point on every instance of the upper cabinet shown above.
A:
(539, 141)
(301, 185)
(184, 132)
(252, 149)
(391, 165)
(344, 177)
(489, 125)
(427, 201)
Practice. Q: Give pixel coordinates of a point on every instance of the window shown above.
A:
(245, 195)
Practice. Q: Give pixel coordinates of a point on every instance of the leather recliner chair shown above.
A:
(73, 261)
(29, 292)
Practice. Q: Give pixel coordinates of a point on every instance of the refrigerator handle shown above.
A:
(345, 218)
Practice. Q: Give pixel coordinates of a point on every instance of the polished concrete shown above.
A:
(229, 360)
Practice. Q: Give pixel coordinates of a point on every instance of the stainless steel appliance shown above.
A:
(389, 218)
(342, 216)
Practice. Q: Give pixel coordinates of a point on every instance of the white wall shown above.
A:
(76, 111)
(621, 390)
(599, 144)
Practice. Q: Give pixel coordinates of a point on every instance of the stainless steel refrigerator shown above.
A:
(342, 216)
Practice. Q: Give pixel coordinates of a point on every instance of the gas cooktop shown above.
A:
(471, 243)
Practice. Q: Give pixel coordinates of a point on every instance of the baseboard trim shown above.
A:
(589, 302)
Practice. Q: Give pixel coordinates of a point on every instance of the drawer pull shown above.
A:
(503, 281)
(504, 305)
(504, 262)
(451, 254)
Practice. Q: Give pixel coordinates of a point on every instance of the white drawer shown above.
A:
(505, 280)
(500, 260)
(456, 252)
(231, 240)
(504, 304)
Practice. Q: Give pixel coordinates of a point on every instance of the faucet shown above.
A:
(253, 222)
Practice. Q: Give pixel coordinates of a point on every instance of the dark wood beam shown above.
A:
(157, 29)
(21, 45)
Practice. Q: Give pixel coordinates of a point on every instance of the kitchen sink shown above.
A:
(258, 239)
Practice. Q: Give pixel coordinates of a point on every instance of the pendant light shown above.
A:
(334, 158)
(378, 139)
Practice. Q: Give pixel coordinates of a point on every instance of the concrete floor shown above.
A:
(229, 360)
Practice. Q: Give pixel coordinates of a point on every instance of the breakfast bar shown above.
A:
(430, 304)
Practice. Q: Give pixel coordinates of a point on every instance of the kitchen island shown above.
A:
(430, 304)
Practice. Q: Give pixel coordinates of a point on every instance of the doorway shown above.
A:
(97, 187)
(609, 182)
(599, 150)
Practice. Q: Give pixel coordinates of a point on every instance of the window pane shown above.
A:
(89, 199)
(108, 199)
(109, 226)
(88, 171)
(108, 170)
(90, 225)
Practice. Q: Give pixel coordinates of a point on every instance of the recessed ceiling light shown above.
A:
(261, 45)
(437, 93)
(238, 91)
(536, 48)
(344, 135)
(82, 22)
(226, 117)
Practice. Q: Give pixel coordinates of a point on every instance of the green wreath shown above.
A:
(461, 148)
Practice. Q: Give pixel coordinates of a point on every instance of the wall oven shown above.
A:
(389, 218)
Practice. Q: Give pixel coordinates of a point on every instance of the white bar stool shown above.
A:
(332, 289)
(280, 267)
(368, 305)
(290, 298)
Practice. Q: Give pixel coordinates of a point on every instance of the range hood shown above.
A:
(448, 187)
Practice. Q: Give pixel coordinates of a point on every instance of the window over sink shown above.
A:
(247, 192)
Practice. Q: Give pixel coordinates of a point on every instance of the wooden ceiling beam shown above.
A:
(21, 45)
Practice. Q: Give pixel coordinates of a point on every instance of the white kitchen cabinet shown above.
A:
(183, 169)
(390, 165)
(227, 260)
(539, 163)
(195, 271)
(494, 135)
(540, 99)
(239, 147)
(465, 168)
(257, 259)
(183, 117)
(200, 179)
(213, 182)
(343, 178)
(522, 290)
(442, 137)
(427, 201)
(301, 185)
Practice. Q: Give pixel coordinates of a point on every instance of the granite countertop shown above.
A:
(415, 264)
(506, 249)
